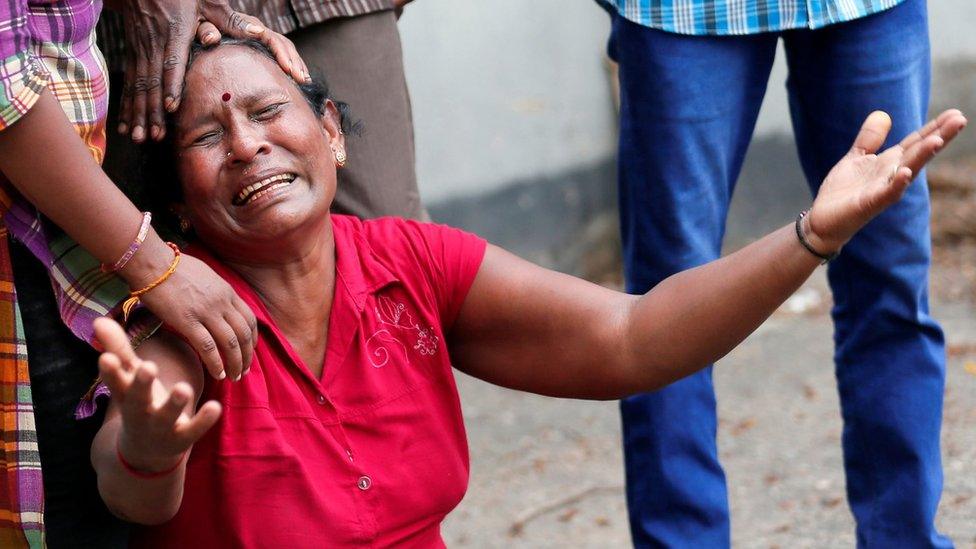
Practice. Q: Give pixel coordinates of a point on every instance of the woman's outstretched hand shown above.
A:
(158, 425)
(864, 183)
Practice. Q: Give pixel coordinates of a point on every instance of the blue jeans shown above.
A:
(688, 109)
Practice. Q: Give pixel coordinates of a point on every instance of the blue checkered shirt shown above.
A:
(743, 16)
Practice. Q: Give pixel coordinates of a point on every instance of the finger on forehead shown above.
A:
(125, 107)
(154, 85)
(207, 33)
(139, 99)
(174, 67)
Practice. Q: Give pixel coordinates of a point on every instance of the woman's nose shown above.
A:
(246, 144)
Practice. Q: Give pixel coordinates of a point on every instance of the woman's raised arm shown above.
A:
(152, 422)
(531, 329)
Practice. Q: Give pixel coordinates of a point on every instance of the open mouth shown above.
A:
(256, 190)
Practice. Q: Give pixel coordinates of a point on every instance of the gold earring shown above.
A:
(340, 158)
(185, 225)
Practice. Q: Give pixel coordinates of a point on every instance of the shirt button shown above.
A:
(320, 399)
(364, 483)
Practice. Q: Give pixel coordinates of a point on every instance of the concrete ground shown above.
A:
(548, 472)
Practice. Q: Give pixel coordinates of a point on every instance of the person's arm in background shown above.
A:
(69, 187)
(44, 158)
(531, 329)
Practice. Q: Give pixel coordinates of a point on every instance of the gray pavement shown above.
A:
(548, 472)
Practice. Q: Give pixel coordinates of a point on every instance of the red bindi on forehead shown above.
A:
(225, 97)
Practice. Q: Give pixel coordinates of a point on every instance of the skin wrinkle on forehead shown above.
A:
(242, 98)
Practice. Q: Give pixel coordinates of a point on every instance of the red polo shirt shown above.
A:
(373, 453)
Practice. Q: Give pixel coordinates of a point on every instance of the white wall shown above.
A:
(952, 30)
(512, 89)
(504, 90)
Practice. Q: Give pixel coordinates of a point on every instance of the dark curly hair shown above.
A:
(159, 170)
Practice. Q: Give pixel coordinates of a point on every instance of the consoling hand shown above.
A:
(200, 306)
(158, 426)
(158, 34)
(863, 183)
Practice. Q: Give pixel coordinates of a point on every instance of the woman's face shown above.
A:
(255, 161)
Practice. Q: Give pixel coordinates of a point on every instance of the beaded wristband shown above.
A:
(134, 247)
(806, 244)
(134, 296)
(138, 473)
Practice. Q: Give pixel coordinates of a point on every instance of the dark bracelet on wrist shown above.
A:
(806, 244)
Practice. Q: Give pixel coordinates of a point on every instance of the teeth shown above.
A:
(265, 191)
(243, 196)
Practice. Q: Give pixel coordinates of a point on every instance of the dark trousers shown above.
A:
(62, 367)
(688, 109)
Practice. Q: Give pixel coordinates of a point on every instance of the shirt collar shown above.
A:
(357, 267)
(358, 271)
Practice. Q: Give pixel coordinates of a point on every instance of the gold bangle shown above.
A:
(134, 296)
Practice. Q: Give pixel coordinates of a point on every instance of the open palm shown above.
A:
(864, 183)
(158, 424)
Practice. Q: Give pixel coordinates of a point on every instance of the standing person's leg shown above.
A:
(62, 367)
(363, 63)
(890, 353)
(688, 108)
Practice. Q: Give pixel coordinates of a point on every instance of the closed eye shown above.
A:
(268, 112)
(206, 138)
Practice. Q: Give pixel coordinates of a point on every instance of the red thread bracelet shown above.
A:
(129, 468)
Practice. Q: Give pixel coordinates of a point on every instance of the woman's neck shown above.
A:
(297, 290)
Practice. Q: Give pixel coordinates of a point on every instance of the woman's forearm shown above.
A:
(43, 157)
(535, 330)
(141, 450)
(131, 498)
(695, 317)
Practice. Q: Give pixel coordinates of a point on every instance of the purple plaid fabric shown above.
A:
(44, 44)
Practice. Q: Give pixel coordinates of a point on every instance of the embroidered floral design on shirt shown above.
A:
(392, 313)
(379, 346)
